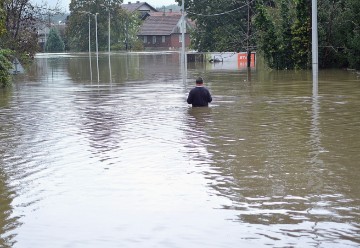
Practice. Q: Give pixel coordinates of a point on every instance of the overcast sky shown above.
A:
(65, 3)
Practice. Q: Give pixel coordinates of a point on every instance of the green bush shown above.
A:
(5, 66)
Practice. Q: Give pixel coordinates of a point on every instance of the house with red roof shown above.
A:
(162, 31)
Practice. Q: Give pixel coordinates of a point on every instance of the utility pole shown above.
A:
(127, 34)
(97, 47)
(109, 30)
(248, 36)
(183, 39)
(110, 74)
(90, 49)
(89, 37)
(314, 36)
(183, 26)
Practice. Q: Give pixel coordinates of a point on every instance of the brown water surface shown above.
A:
(125, 162)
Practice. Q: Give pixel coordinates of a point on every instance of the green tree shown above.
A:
(21, 22)
(331, 36)
(221, 25)
(126, 27)
(123, 24)
(284, 33)
(282, 28)
(301, 35)
(54, 42)
(2, 18)
(351, 17)
(339, 26)
(265, 38)
(5, 66)
(286, 50)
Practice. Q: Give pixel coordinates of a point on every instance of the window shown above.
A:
(180, 38)
(145, 39)
(154, 39)
(163, 39)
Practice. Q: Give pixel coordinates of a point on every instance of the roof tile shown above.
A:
(159, 25)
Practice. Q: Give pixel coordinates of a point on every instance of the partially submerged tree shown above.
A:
(301, 35)
(285, 39)
(126, 27)
(222, 26)
(280, 30)
(351, 17)
(284, 34)
(5, 66)
(2, 18)
(22, 21)
(123, 25)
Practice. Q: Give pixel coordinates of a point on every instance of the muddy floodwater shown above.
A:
(119, 159)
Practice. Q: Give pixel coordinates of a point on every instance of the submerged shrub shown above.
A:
(5, 66)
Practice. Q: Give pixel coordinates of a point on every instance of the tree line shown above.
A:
(19, 23)
(21, 20)
(280, 30)
(124, 26)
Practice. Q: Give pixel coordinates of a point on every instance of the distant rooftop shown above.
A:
(167, 13)
(160, 24)
(140, 6)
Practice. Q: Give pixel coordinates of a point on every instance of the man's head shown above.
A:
(199, 81)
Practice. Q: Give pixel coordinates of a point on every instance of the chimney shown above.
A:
(137, 1)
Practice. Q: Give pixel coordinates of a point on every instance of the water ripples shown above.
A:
(128, 163)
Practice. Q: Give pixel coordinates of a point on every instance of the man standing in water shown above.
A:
(199, 96)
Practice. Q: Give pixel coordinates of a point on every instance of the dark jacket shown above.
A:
(199, 97)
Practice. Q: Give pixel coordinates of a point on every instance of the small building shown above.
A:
(162, 31)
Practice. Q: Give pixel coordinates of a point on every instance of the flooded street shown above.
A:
(126, 162)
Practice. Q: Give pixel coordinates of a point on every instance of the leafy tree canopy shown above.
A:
(351, 17)
(54, 42)
(21, 23)
(5, 66)
(123, 25)
(284, 34)
(221, 25)
(2, 18)
(280, 30)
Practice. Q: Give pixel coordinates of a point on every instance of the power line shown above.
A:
(223, 13)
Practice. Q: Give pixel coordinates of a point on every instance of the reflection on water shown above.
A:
(127, 163)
